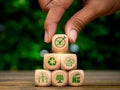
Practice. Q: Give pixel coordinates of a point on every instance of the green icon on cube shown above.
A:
(76, 78)
(52, 61)
(59, 78)
(42, 78)
(60, 42)
(69, 61)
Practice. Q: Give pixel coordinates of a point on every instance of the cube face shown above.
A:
(42, 78)
(68, 61)
(76, 77)
(60, 43)
(51, 61)
(59, 78)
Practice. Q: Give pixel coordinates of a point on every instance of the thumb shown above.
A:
(78, 21)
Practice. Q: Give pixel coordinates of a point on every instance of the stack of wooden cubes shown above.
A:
(59, 66)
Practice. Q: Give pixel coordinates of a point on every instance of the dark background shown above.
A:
(22, 34)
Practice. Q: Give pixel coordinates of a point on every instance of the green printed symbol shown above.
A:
(59, 78)
(76, 78)
(42, 78)
(60, 42)
(52, 61)
(69, 61)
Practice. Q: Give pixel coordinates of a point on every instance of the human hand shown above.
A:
(91, 10)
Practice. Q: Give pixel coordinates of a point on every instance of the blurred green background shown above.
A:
(22, 33)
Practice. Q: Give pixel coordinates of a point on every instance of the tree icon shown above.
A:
(52, 61)
(59, 78)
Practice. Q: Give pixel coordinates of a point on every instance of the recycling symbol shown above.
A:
(52, 61)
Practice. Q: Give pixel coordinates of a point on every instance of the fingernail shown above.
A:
(46, 37)
(73, 35)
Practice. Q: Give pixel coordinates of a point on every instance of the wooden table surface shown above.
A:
(94, 80)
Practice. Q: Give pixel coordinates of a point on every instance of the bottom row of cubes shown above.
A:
(59, 77)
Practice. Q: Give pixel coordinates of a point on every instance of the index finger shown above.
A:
(54, 15)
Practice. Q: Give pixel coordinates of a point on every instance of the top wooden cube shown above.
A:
(60, 43)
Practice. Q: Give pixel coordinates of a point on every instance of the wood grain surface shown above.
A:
(94, 80)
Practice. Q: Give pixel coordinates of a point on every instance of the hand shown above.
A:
(91, 10)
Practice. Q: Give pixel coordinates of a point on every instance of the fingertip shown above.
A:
(46, 37)
(72, 35)
(71, 40)
(50, 29)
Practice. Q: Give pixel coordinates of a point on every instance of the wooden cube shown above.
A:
(60, 43)
(51, 61)
(68, 61)
(59, 78)
(76, 77)
(42, 78)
